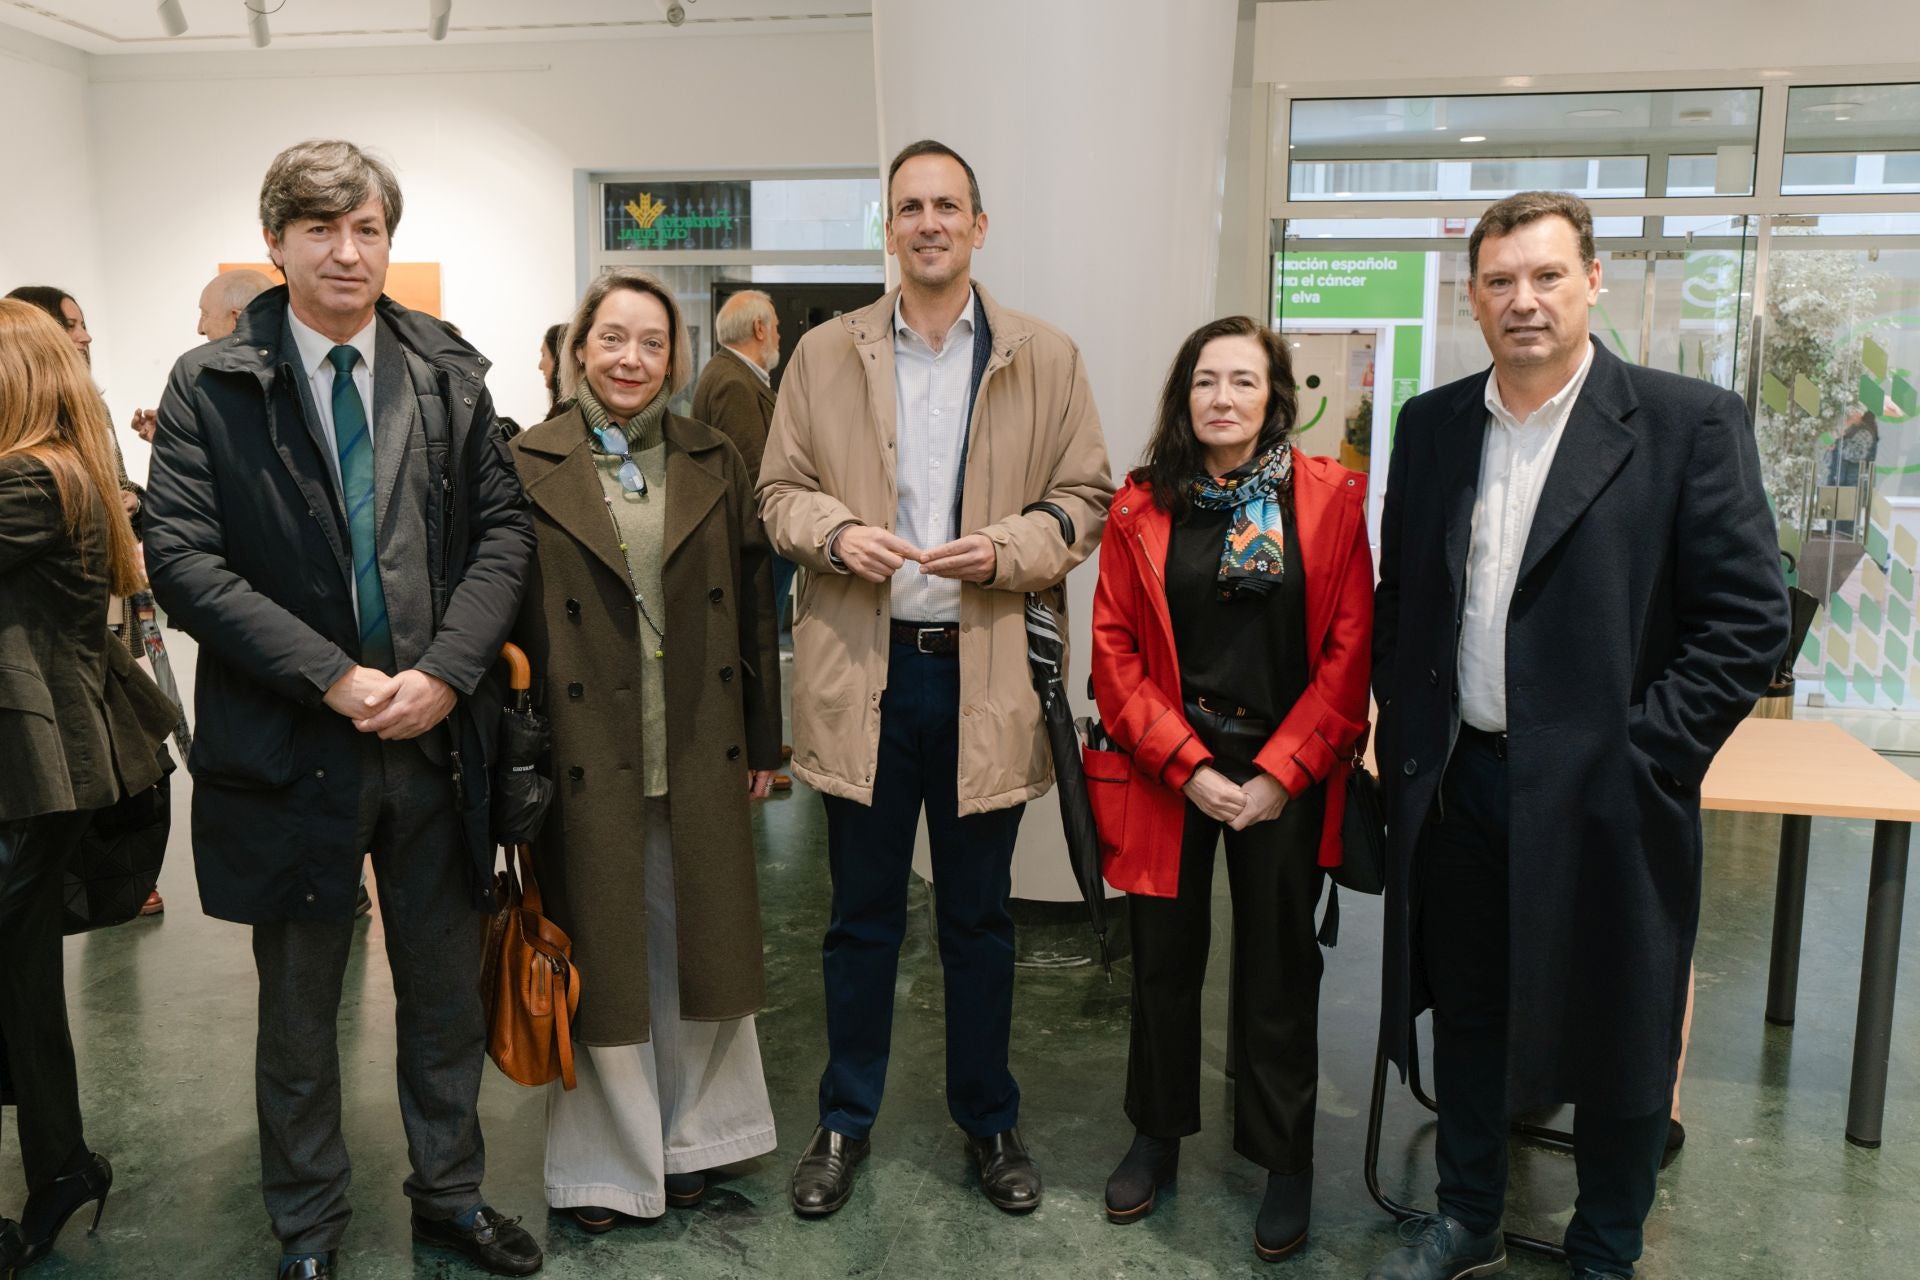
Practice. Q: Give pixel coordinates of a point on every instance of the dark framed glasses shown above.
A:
(614, 441)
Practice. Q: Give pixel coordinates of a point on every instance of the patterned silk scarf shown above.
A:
(1254, 558)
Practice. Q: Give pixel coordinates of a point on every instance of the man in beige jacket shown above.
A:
(933, 458)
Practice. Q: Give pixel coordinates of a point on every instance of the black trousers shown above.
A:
(434, 941)
(1274, 875)
(1461, 862)
(36, 1047)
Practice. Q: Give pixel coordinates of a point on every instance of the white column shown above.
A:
(1098, 131)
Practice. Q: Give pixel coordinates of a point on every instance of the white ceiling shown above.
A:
(133, 26)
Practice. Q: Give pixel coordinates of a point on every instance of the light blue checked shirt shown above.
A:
(931, 391)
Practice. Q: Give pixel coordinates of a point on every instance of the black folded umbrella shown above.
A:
(1046, 653)
(521, 793)
(1803, 606)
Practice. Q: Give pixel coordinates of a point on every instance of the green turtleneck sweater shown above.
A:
(641, 521)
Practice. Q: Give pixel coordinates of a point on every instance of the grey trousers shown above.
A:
(434, 941)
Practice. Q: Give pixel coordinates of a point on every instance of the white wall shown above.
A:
(1405, 47)
(487, 142)
(46, 214)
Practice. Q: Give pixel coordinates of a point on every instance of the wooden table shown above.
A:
(1807, 769)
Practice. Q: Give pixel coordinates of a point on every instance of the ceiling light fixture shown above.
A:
(173, 20)
(1830, 108)
(1593, 113)
(1474, 137)
(676, 12)
(439, 12)
(257, 27)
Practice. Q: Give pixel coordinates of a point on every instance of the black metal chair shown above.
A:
(1556, 1139)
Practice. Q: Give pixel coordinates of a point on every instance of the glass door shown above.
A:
(1839, 434)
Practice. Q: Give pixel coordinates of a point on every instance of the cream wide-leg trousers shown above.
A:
(692, 1098)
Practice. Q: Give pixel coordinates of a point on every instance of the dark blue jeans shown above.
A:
(782, 584)
(870, 850)
(1462, 861)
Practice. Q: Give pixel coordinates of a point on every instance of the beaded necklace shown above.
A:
(660, 635)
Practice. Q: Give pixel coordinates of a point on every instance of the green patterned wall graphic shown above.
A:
(1863, 650)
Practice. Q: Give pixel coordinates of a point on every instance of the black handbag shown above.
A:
(1363, 829)
(116, 863)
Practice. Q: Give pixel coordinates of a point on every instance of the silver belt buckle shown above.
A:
(920, 637)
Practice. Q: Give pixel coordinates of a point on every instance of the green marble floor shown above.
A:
(163, 1019)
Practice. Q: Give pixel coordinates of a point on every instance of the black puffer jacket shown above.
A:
(248, 550)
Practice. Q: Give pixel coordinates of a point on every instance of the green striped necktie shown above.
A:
(355, 443)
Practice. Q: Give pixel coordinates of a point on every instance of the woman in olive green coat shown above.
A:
(648, 619)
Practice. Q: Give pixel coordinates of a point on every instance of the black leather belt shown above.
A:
(928, 637)
(1494, 742)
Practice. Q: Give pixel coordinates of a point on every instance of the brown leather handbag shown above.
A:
(531, 989)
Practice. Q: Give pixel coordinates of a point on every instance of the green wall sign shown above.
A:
(1348, 286)
(676, 215)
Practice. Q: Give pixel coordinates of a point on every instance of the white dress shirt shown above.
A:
(313, 347)
(931, 389)
(1514, 463)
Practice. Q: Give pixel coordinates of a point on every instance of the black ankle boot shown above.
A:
(49, 1208)
(13, 1248)
(1281, 1227)
(1150, 1164)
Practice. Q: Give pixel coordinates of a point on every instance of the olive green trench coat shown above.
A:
(582, 633)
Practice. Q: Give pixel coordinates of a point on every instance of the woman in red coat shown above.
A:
(1230, 639)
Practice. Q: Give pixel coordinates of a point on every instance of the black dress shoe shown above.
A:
(49, 1208)
(1007, 1173)
(498, 1244)
(1150, 1164)
(13, 1248)
(1437, 1247)
(685, 1190)
(1281, 1227)
(310, 1267)
(823, 1179)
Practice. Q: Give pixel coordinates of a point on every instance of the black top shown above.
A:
(1250, 650)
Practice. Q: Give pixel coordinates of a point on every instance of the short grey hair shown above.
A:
(325, 178)
(573, 370)
(740, 313)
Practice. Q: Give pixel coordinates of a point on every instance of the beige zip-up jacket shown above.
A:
(830, 462)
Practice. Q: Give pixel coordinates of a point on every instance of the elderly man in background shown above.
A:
(735, 396)
(221, 303)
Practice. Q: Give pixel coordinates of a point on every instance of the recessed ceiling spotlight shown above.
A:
(173, 19)
(1474, 137)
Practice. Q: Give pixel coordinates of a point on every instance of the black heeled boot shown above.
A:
(1281, 1227)
(49, 1208)
(1150, 1164)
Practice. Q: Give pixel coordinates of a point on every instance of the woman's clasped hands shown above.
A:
(1260, 800)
